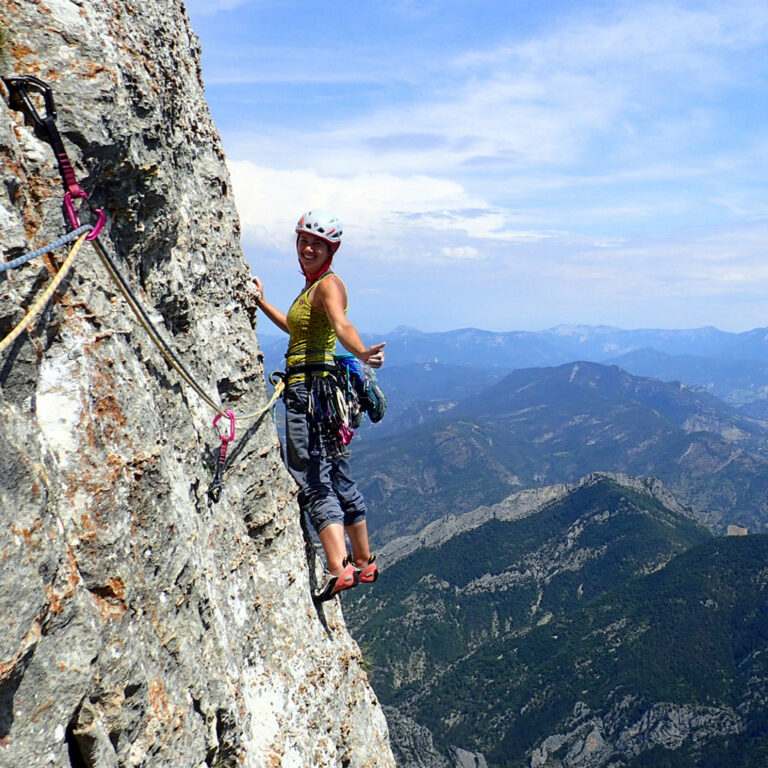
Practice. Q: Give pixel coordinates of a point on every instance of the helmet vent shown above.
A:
(322, 223)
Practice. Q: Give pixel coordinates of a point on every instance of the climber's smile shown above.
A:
(312, 250)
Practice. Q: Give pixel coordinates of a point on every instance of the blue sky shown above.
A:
(503, 165)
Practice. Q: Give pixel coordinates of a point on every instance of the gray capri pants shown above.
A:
(327, 492)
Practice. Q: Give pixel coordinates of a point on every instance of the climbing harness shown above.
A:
(21, 89)
(338, 404)
(339, 401)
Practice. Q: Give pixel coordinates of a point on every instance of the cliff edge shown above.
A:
(142, 623)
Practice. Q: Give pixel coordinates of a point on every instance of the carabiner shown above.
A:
(231, 436)
(214, 491)
(275, 377)
(74, 219)
(98, 226)
(345, 434)
(18, 85)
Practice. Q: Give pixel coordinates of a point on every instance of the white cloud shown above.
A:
(378, 206)
(651, 36)
(711, 265)
(462, 253)
(620, 86)
(582, 164)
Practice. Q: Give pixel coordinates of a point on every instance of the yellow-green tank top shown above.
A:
(313, 340)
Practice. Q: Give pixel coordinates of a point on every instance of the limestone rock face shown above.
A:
(412, 743)
(141, 623)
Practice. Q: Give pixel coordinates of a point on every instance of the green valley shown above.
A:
(598, 627)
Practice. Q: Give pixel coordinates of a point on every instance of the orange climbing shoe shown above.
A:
(347, 579)
(368, 573)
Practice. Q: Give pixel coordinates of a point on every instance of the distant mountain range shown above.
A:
(546, 425)
(586, 625)
(733, 366)
(565, 343)
(735, 381)
(561, 344)
(467, 431)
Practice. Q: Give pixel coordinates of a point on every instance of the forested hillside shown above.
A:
(602, 624)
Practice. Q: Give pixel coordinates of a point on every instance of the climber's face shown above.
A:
(313, 252)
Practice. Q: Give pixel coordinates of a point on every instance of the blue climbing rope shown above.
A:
(68, 238)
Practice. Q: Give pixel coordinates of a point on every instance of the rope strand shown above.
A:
(130, 297)
(172, 359)
(36, 308)
(68, 238)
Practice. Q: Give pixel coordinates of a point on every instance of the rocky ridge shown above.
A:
(517, 506)
(594, 740)
(144, 624)
(538, 427)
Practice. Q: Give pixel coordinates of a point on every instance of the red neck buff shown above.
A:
(320, 272)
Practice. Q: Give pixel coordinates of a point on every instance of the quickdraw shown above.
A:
(277, 380)
(329, 417)
(218, 481)
(20, 87)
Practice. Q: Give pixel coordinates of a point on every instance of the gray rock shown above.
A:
(412, 743)
(614, 738)
(465, 759)
(413, 746)
(144, 625)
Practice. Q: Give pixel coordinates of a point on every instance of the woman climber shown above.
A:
(316, 319)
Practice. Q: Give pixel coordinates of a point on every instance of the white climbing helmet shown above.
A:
(322, 224)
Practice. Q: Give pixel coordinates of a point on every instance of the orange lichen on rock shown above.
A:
(88, 532)
(92, 68)
(31, 638)
(55, 604)
(73, 578)
(110, 599)
(158, 698)
(20, 52)
(107, 407)
(27, 534)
